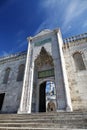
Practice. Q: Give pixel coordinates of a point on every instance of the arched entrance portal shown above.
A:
(45, 61)
(47, 95)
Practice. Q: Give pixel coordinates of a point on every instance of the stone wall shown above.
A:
(12, 88)
(77, 78)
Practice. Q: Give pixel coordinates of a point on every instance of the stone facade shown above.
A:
(47, 59)
(12, 88)
(77, 78)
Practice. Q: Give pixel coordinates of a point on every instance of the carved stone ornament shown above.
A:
(43, 58)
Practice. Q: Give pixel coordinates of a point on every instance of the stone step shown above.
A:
(63, 122)
(27, 128)
(49, 121)
(43, 117)
(42, 120)
(44, 125)
(44, 114)
(37, 115)
(48, 113)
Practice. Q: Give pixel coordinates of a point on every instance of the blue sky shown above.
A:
(22, 18)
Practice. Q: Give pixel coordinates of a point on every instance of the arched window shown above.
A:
(20, 72)
(6, 76)
(79, 61)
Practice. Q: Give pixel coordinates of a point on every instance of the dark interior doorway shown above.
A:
(42, 98)
(1, 99)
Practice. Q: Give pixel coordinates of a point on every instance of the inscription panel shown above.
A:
(43, 42)
(46, 73)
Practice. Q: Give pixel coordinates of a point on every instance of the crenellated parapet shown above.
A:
(75, 40)
(13, 57)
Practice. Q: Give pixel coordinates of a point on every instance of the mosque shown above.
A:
(50, 76)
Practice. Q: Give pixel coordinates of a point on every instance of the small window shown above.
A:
(6, 76)
(79, 63)
(20, 72)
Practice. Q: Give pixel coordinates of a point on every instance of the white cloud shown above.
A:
(67, 29)
(51, 13)
(21, 40)
(41, 27)
(61, 13)
(46, 25)
(85, 24)
(74, 10)
(70, 12)
(51, 3)
(4, 53)
(22, 43)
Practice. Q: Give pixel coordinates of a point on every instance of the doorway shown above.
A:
(42, 98)
(47, 94)
(2, 95)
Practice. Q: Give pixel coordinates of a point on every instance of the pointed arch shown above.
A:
(20, 72)
(43, 58)
(6, 75)
(79, 63)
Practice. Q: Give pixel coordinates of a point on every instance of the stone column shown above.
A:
(65, 79)
(26, 98)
